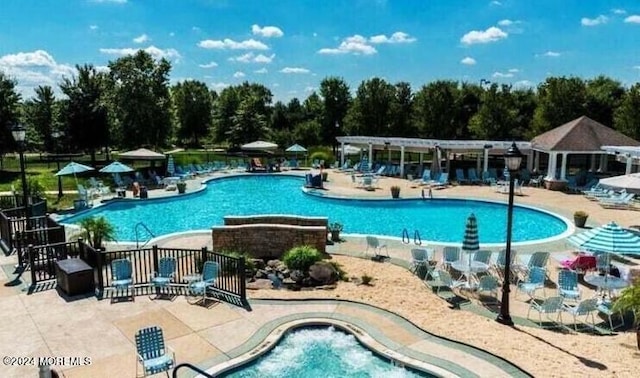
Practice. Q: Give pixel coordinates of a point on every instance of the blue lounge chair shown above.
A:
(535, 280)
(568, 285)
(374, 244)
(426, 177)
(472, 176)
(165, 274)
(152, 353)
(547, 306)
(450, 255)
(122, 277)
(584, 308)
(198, 289)
(442, 182)
(488, 283)
(460, 177)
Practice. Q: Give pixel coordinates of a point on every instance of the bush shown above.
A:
(366, 279)
(580, 214)
(301, 258)
(230, 267)
(319, 156)
(342, 275)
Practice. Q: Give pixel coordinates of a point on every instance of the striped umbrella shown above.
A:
(171, 167)
(471, 241)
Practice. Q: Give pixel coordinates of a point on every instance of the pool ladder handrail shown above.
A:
(191, 367)
(405, 236)
(417, 240)
(148, 231)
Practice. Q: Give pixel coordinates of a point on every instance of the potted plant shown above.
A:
(182, 186)
(580, 218)
(335, 229)
(98, 230)
(629, 300)
(395, 191)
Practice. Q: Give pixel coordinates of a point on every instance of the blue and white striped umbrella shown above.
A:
(171, 167)
(471, 240)
(609, 238)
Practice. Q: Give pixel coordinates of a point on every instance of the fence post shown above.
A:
(32, 263)
(243, 281)
(202, 259)
(98, 272)
(18, 247)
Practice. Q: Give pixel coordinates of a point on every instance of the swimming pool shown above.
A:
(439, 220)
(321, 352)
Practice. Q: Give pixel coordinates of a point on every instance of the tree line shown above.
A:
(133, 105)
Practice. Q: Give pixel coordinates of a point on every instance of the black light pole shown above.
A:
(19, 134)
(512, 159)
(57, 135)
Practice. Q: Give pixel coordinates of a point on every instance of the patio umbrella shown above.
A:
(142, 154)
(629, 182)
(259, 145)
(171, 166)
(435, 163)
(73, 168)
(296, 148)
(471, 241)
(116, 167)
(351, 150)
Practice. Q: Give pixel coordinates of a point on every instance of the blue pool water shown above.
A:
(439, 220)
(321, 353)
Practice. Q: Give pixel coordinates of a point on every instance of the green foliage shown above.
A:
(337, 99)
(627, 115)
(321, 155)
(301, 258)
(194, 110)
(366, 279)
(629, 300)
(342, 275)
(335, 226)
(34, 186)
(230, 267)
(580, 214)
(97, 230)
(560, 100)
(371, 113)
(9, 100)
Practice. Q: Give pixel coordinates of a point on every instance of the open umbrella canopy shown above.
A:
(609, 238)
(351, 150)
(73, 168)
(471, 240)
(629, 182)
(171, 166)
(141, 154)
(259, 145)
(116, 167)
(296, 148)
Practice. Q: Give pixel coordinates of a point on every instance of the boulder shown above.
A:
(260, 284)
(296, 275)
(323, 273)
(273, 263)
(258, 263)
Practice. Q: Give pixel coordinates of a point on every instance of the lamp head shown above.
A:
(19, 133)
(513, 158)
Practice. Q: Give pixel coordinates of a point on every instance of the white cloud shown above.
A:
(250, 57)
(397, 37)
(499, 75)
(38, 58)
(263, 58)
(469, 61)
(239, 74)
(249, 44)
(523, 84)
(514, 70)
(552, 54)
(294, 70)
(93, 27)
(261, 71)
(634, 19)
(618, 11)
(310, 89)
(505, 22)
(208, 65)
(244, 58)
(154, 51)
(102, 68)
(492, 34)
(356, 44)
(141, 39)
(267, 31)
(31, 69)
(220, 86)
(594, 21)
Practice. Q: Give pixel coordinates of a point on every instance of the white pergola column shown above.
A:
(448, 162)
(370, 156)
(341, 154)
(563, 167)
(536, 164)
(421, 160)
(478, 162)
(592, 166)
(530, 160)
(605, 162)
(629, 165)
(551, 171)
(401, 161)
(389, 154)
(485, 166)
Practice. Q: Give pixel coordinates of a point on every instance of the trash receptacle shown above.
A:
(143, 192)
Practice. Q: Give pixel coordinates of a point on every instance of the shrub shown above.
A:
(580, 214)
(97, 230)
(366, 279)
(335, 226)
(319, 156)
(301, 258)
(35, 187)
(342, 275)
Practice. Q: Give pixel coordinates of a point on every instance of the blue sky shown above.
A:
(290, 45)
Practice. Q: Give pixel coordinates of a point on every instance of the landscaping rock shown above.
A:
(273, 263)
(323, 273)
(260, 284)
(258, 263)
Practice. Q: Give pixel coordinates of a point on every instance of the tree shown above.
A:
(223, 111)
(249, 123)
(469, 101)
(313, 107)
(496, 118)
(85, 110)
(371, 113)
(9, 100)
(627, 116)
(401, 110)
(41, 115)
(603, 96)
(336, 102)
(194, 110)
(141, 98)
(435, 112)
(560, 100)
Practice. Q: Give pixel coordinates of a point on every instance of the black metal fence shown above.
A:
(14, 219)
(42, 258)
(230, 285)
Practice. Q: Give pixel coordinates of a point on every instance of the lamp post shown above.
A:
(57, 135)
(19, 134)
(512, 160)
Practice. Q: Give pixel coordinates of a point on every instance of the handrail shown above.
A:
(148, 231)
(417, 240)
(405, 236)
(187, 365)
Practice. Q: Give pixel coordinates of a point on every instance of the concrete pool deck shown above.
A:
(45, 324)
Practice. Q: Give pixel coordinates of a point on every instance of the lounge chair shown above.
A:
(568, 285)
(442, 182)
(537, 181)
(198, 289)
(152, 353)
(450, 255)
(444, 280)
(537, 260)
(535, 280)
(166, 273)
(606, 308)
(122, 277)
(483, 256)
(547, 306)
(472, 176)
(420, 260)
(584, 308)
(617, 202)
(426, 177)
(374, 244)
(499, 265)
(488, 283)
(460, 177)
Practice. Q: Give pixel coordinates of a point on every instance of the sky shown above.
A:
(291, 45)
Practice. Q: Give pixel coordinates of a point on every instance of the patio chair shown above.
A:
(584, 308)
(537, 181)
(498, 267)
(152, 353)
(165, 274)
(472, 176)
(198, 289)
(535, 280)
(122, 276)
(426, 177)
(444, 280)
(442, 182)
(547, 306)
(450, 254)
(537, 259)
(374, 244)
(460, 177)
(606, 308)
(488, 283)
(483, 256)
(420, 262)
(568, 285)
(617, 202)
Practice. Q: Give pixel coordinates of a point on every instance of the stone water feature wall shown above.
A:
(269, 236)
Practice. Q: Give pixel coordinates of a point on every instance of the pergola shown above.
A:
(628, 153)
(425, 145)
(580, 136)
